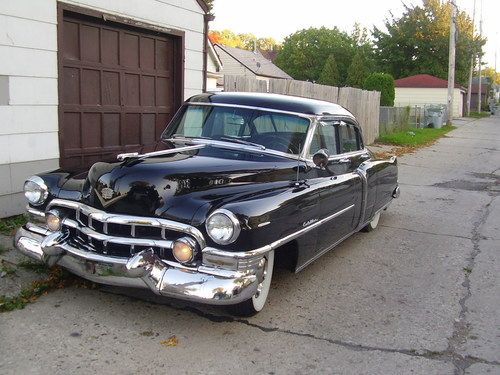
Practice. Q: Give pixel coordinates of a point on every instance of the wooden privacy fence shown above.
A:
(363, 104)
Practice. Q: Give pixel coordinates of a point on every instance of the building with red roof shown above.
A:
(425, 89)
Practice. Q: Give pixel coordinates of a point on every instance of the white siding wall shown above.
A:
(28, 78)
(421, 96)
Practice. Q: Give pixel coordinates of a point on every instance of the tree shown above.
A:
(210, 5)
(418, 42)
(384, 83)
(246, 41)
(304, 53)
(358, 71)
(490, 72)
(330, 73)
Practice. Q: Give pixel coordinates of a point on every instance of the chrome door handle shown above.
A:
(344, 160)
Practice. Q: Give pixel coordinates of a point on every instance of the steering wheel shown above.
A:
(277, 143)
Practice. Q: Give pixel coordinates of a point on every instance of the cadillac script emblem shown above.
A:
(107, 193)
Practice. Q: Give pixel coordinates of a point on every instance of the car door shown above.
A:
(340, 194)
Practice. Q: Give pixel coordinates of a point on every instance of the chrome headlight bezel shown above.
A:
(36, 185)
(232, 221)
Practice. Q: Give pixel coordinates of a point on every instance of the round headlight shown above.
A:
(184, 250)
(223, 227)
(35, 190)
(53, 221)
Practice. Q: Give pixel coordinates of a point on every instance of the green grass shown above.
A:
(33, 266)
(414, 137)
(8, 270)
(479, 114)
(54, 280)
(8, 224)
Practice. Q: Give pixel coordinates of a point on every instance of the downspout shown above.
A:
(207, 18)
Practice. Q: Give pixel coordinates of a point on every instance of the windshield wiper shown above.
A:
(189, 136)
(242, 142)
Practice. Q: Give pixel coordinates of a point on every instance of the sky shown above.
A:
(279, 18)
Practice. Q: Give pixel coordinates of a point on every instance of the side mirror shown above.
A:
(320, 158)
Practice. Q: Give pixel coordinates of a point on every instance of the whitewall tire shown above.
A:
(255, 304)
(372, 225)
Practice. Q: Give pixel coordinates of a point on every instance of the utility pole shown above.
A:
(451, 62)
(472, 59)
(479, 89)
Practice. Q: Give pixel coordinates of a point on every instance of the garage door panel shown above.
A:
(71, 44)
(110, 88)
(147, 56)
(148, 91)
(164, 52)
(71, 85)
(72, 130)
(91, 130)
(131, 129)
(130, 50)
(110, 129)
(148, 135)
(163, 92)
(110, 40)
(132, 88)
(91, 87)
(118, 88)
(90, 43)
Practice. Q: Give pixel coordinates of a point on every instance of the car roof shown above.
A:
(273, 101)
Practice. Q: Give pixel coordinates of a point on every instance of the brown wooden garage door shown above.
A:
(119, 86)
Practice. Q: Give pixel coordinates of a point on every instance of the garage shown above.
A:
(119, 86)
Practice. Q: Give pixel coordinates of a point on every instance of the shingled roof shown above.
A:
(255, 62)
(424, 81)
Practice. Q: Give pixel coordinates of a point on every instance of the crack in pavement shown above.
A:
(461, 327)
(425, 232)
(443, 356)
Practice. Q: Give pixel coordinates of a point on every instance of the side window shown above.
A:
(349, 138)
(324, 137)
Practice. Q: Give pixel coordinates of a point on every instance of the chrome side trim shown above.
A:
(105, 217)
(272, 246)
(318, 255)
(122, 157)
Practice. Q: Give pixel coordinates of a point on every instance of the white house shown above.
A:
(423, 89)
(214, 69)
(82, 80)
(240, 62)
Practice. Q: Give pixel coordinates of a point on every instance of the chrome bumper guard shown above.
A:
(145, 269)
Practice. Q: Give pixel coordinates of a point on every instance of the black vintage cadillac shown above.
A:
(240, 180)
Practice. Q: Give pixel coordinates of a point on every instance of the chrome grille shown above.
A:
(121, 235)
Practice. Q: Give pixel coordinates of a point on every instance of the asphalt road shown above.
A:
(420, 295)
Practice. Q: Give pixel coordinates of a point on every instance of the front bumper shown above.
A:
(202, 284)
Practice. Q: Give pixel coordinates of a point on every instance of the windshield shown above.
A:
(276, 131)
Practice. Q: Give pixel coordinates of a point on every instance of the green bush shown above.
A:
(384, 83)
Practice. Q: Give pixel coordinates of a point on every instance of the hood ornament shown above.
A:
(107, 193)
